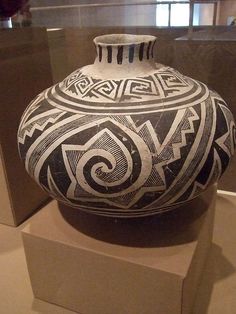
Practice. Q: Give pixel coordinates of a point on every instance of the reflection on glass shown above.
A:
(203, 14)
(162, 15)
(93, 13)
(179, 15)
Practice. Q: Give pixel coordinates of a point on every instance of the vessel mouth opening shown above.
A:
(122, 39)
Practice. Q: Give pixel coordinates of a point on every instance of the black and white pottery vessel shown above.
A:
(124, 136)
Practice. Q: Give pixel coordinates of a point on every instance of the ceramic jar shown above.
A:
(125, 136)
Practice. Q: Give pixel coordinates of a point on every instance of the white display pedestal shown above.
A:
(97, 265)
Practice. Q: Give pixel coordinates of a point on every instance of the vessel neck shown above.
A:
(121, 52)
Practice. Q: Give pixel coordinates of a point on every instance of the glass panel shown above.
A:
(179, 14)
(95, 15)
(162, 15)
(140, 15)
(59, 41)
(203, 14)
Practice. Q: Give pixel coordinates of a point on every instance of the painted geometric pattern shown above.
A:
(162, 82)
(165, 89)
(128, 164)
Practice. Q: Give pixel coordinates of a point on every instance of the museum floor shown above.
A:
(216, 294)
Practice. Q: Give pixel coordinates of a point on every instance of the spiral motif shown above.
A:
(104, 167)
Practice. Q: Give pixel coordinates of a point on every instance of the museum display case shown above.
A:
(143, 137)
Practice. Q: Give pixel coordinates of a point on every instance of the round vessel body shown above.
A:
(126, 137)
